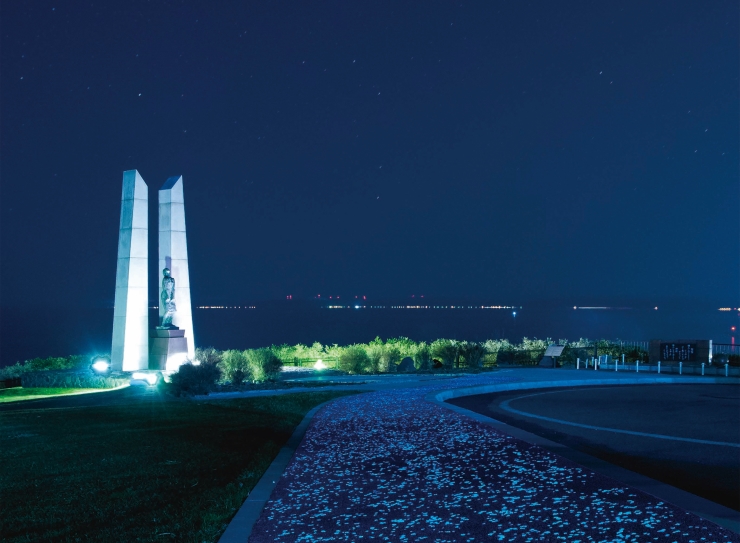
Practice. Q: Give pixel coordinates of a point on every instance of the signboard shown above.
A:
(554, 350)
(678, 352)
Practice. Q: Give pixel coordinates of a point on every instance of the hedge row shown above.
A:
(384, 356)
(70, 379)
(52, 363)
(380, 356)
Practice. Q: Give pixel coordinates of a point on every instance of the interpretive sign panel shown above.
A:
(678, 352)
(681, 350)
(554, 350)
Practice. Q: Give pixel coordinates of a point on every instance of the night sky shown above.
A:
(578, 151)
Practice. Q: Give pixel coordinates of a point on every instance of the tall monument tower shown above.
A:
(130, 348)
(171, 342)
(173, 254)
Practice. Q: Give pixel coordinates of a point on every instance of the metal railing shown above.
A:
(725, 348)
(604, 363)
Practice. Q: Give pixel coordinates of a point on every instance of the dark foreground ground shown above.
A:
(136, 464)
(691, 412)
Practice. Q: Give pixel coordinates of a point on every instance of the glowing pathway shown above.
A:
(389, 466)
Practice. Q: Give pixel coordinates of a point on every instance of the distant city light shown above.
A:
(227, 306)
(385, 307)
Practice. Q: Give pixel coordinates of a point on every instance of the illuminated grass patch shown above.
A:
(19, 393)
(146, 470)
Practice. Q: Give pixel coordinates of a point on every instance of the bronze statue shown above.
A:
(168, 300)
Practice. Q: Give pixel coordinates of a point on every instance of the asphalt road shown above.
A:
(687, 436)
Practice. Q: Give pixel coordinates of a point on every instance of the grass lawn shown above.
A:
(19, 393)
(155, 469)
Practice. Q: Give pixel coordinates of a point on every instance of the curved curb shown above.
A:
(701, 507)
(526, 385)
(240, 527)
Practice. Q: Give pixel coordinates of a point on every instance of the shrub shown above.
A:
(12, 372)
(263, 364)
(234, 366)
(389, 358)
(495, 345)
(354, 360)
(195, 380)
(374, 352)
(332, 353)
(286, 354)
(406, 347)
(472, 352)
(445, 350)
(423, 357)
(208, 355)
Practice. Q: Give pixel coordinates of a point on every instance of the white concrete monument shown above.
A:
(175, 311)
(130, 348)
(172, 341)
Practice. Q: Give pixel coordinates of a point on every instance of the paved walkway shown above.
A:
(390, 466)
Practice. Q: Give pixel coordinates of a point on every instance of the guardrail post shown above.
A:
(596, 364)
(637, 367)
(578, 363)
(680, 368)
(727, 370)
(622, 360)
(702, 368)
(616, 364)
(658, 366)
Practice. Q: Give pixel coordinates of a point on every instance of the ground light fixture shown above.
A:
(149, 378)
(319, 365)
(100, 364)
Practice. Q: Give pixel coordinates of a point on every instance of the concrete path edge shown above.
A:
(240, 527)
(706, 509)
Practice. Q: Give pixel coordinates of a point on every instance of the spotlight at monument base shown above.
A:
(150, 378)
(100, 365)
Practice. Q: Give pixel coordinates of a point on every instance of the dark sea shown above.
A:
(27, 333)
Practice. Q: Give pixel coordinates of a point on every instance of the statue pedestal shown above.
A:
(168, 349)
